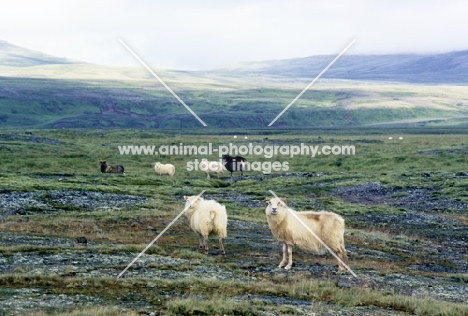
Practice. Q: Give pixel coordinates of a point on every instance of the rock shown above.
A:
(344, 284)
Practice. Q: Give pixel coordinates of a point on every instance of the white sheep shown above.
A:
(211, 167)
(207, 217)
(164, 169)
(328, 226)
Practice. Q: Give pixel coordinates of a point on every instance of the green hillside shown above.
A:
(65, 103)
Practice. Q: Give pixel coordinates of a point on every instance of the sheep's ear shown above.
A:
(266, 201)
(284, 201)
(185, 198)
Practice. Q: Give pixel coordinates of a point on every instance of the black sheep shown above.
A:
(105, 168)
(233, 164)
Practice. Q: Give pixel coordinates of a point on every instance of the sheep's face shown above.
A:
(157, 164)
(273, 205)
(104, 167)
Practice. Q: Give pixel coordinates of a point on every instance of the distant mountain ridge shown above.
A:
(445, 68)
(449, 67)
(16, 56)
(42, 91)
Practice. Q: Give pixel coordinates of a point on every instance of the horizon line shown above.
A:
(227, 64)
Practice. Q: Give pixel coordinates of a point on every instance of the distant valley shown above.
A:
(43, 91)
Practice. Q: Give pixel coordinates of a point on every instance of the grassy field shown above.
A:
(66, 159)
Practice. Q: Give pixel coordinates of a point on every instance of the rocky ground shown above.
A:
(420, 199)
(53, 201)
(442, 242)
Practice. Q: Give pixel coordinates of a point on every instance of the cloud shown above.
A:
(206, 34)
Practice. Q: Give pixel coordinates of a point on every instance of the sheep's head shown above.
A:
(191, 200)
(273, 205)
(157, 164)
(104, 167)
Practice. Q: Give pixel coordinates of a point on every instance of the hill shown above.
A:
(42, 91)
(15, 56)
(60, 103)
(449, 67)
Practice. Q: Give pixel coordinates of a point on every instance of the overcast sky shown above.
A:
(196, 35)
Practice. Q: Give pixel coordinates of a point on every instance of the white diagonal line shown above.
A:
(162, 82)
(314, 234)
(313, 81)
(160, 234)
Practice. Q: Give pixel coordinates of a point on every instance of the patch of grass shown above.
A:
(67, 207)
(223, 291)
(188, 254)
(216, 305)
(34, 208)
(45, 196)
(399, 195)
(462, 278)
(10, 250)
(90, 311)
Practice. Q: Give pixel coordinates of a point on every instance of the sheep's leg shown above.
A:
(289, 248)
(205, 237)
(200, 242)
(341, 253)
(221, 246)
(283, 262)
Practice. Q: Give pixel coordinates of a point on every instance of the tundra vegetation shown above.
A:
(404, 203)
